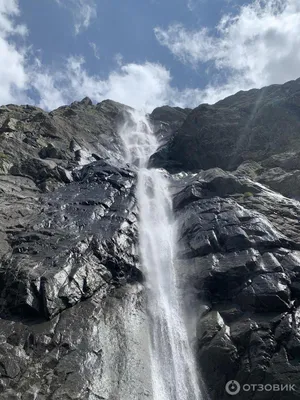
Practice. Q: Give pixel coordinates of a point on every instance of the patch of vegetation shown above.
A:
(248, 194)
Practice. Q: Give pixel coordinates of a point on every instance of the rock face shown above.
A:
(78, 241)
(249, 125)
(166, 120)
(240, 263)
(90, 351)
(72, 308)
(30, 137)
(239, 238)
(73, 320)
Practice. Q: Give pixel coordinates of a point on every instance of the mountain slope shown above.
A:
(251, 125)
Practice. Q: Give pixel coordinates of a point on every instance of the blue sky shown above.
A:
(144, 53)
(122, 27)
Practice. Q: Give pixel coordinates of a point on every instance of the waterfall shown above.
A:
(174, 374)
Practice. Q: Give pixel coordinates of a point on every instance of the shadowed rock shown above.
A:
(249, 125)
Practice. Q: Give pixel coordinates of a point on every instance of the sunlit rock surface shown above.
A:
(97, 349)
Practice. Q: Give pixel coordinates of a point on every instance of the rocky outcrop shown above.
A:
(250, 125)
(72, 303)
(239, 238)
(32, 139)
(239, 266)
(78, 241)
(167, 120)
(97, 349)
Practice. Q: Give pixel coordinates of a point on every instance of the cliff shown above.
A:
(73, 319)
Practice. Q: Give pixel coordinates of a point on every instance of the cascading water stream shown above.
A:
(174, 375)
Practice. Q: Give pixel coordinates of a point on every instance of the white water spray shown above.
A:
(174, 374)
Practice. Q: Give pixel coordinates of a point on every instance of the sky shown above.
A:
(144, 53)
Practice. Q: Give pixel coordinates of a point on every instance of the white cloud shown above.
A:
(140, 86)
(119, 59)
(45, 83)
(190, 47)
(258, 46)
(84, 12)
(13, 76)
(9, 10)
(95, 50)
(192, 4)
(144, 86)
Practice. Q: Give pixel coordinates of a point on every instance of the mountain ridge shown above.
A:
(251, 125)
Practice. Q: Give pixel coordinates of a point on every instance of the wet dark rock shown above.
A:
(214, 342)
(237, 255)
(266, 292)
(72, 308)
(82, 240)
(281, 181)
